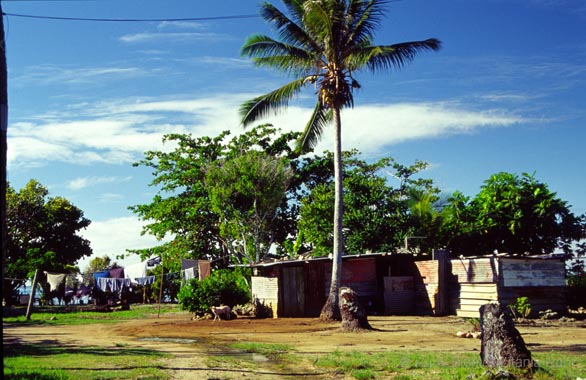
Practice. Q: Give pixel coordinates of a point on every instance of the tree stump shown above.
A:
(331, 310)
(502, 344)
(352, 312)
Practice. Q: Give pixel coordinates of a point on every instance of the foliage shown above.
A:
(513, 214)
(183, 212)
(377, 217)
(222, 287)
(42, 234)
(246, 192)
(521, 308)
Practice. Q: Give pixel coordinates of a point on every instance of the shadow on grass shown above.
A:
(51, 347)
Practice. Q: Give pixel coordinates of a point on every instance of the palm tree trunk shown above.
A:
(331, 310)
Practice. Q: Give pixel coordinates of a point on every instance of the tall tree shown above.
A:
(513, 214)
(183, 209)
(377, 217)
(324, 43)
(42, 234)
(246, 192)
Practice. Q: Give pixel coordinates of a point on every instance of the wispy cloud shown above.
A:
(173, 37)
(181, 25)
(121, 131)
(508, 97)
(52, 74)
(84, 182)
(219, 62)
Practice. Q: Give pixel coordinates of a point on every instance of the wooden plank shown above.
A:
(474, 302)
(266, 289)
(468, 313)
(475, 270)
(527, 278)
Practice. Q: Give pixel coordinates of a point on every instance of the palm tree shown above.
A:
(324, 43)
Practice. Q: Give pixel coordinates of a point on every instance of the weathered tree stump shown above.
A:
(352, 312)
(502, 344)
(331, 310)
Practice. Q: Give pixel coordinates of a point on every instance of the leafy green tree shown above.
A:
(324, 44)
(377, 216)
(42, 234)
(246, 192)
(513, 214)
(183, 210)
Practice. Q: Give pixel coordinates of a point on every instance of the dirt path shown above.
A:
(193, 343)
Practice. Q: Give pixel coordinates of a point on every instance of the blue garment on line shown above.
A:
(148, 280)
(102, 274)
(115, 284)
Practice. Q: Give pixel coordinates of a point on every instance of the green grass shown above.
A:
(58, 317)
(439, 365)
(269, 350)
(49, 362)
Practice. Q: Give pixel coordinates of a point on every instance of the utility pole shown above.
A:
(3, 141)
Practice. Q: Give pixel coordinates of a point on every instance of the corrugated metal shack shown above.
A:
(386, 284)
(477, 281)
(400, 284)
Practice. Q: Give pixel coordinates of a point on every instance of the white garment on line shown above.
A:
(54, 280)
(135, 271)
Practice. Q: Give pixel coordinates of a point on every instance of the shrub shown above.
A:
(521, 308)
(222, 287)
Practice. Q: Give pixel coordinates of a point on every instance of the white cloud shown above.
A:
(181, 25)
(371, 128)
(84, 182)
(54, 74)
(121, 131)
(173, 37)
(113, 237)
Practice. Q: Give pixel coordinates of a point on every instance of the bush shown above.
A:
(223, 287)
(521, 308)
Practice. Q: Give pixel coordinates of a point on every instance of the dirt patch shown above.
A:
(192, 343)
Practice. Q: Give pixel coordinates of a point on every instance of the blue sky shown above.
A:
(87, 99)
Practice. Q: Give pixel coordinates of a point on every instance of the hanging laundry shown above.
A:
(102, 274)
(135, 271)
(188, 263)
(117, 273)
(54, 280)
(154, 261)
(115, 284)
(189, 273)
(147, 280)
(204, 269)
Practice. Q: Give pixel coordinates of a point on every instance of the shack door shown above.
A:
(399, 295)
(292, 303)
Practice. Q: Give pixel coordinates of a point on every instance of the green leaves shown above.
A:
(517, 214)
(274, 101)
(194, 202)
(42, 233)
(326, 43)
(246, 192)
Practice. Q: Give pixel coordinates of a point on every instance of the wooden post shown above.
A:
(3, 142)
(161, 289)
(31, 297)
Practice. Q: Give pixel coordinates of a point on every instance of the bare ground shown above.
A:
(192, 343)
